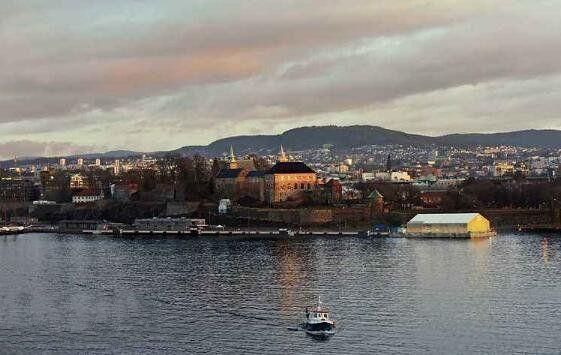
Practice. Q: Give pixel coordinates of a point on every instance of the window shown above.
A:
(302, 186)
(296, 185)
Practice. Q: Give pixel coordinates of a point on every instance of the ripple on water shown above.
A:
(82, 294)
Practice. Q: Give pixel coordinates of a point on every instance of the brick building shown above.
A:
(285, 180)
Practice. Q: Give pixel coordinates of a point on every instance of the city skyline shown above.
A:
(82, 77)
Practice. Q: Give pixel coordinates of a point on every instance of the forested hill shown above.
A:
(343, 137)
(357, 136)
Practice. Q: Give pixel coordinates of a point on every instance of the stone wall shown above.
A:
(308, 216)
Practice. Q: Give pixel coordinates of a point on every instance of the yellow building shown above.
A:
(449, 224)
(502, 168)
(289, 179)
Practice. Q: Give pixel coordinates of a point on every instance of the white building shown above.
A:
(368, 176)
(87, 196)
(78, 181)
(394, 176)
(117, 167)
(224, 206)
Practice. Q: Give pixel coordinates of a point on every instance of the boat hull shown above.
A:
(319, 327)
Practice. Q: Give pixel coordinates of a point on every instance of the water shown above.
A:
(100, 294)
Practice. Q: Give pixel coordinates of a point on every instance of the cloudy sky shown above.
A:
(82, 75)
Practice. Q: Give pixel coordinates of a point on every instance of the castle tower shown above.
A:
(282, 155)
(233, 160)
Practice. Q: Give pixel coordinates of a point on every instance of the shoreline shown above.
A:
(267, 233)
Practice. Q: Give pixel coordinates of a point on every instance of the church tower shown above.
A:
(282, 155)
(389, 164)
(233, 161)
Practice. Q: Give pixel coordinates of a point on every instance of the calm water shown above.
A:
(100, 294)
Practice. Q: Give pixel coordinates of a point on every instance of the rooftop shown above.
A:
(229, 173)
(444, 218)
(290, 167)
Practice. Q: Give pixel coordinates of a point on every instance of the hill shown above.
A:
(357, 136)
(344, 137)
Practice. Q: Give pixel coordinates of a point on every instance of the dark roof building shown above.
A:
(255, 174)
(290, 167)
(229, 173)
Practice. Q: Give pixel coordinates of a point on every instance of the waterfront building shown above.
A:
(77, 226)
(449, 224)
(168, 224)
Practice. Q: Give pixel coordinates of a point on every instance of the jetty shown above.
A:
(230, 233)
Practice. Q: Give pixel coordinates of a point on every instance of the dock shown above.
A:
(540, 228)
(231, 233)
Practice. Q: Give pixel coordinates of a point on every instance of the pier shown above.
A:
(230, 233)
(540, 228)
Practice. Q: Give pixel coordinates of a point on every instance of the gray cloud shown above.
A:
(187, 72)
(26, 148)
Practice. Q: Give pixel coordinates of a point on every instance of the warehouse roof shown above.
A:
(443, 218)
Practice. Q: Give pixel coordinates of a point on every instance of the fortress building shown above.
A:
(285, 180)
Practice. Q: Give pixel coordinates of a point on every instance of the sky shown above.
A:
(81, 76)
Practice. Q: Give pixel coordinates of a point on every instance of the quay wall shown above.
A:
(362, 215)
(286, 216)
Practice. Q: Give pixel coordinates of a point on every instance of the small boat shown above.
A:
(318, 322)
(288, 232)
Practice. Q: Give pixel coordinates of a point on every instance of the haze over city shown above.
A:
(82, 76)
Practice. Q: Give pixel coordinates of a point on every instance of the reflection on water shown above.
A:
(545, 252)
(97, 294)
(293, 262)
